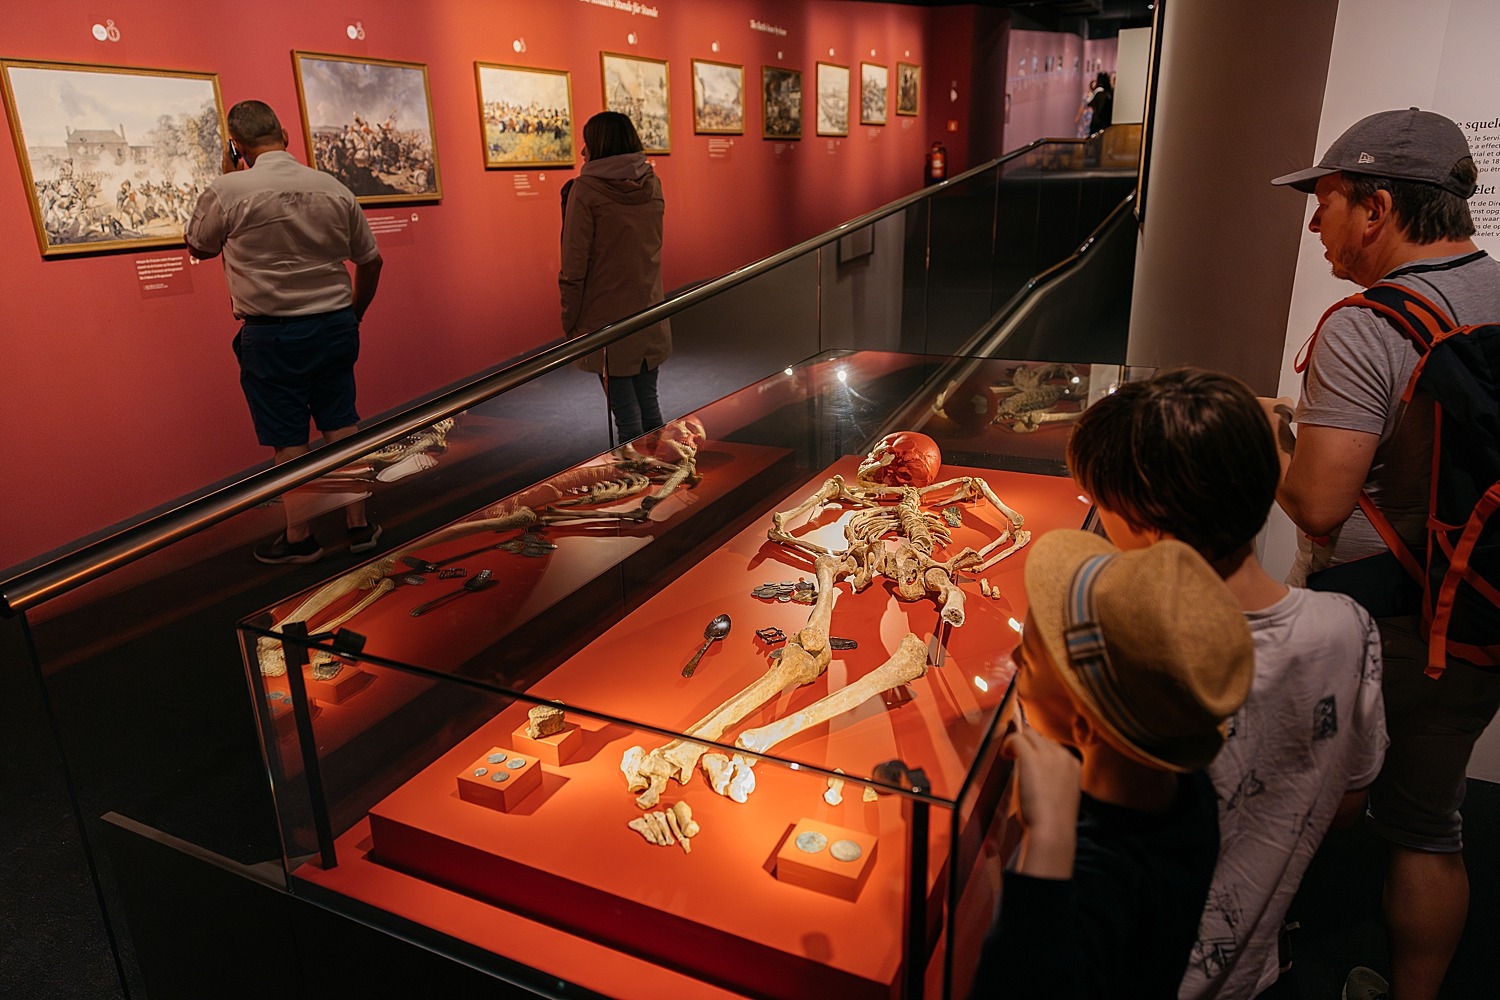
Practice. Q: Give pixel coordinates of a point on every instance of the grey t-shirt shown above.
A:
(1357, 374)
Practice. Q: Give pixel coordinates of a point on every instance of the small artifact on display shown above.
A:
(1022, 406)
(499, 779)
(548, 735)
(483, 580)
(827, 858)
(555, 501)
(543, 720)
(665, 827)
(771, 635)
(835, 794)
(798, 591)
(333, 680)
(715, 630)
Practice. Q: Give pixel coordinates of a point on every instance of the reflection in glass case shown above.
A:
(716, 711)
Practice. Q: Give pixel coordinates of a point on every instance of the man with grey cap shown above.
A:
(1392, 205)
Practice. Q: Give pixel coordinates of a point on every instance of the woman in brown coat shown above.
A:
(611, 267)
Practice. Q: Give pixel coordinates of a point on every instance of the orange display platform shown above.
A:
(565, 856)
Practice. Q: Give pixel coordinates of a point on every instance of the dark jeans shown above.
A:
(632, 400)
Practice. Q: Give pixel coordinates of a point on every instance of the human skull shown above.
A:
(905, 458)
(679, 439)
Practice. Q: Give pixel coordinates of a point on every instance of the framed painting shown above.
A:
(833, 99)
(874, 88)
(368, 122)
(781, 102)
(638, 87)
(908, 88)
(718, 98)
(113, 157)
(525, 116)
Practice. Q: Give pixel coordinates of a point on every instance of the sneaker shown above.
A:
(364, 537)
(282, 551)
(1365, 984)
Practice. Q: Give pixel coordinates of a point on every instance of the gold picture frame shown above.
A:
(525, 116)
(908, 88)
(369, 123)
(641, 88)
(833, 99)
(718, 98)
(780, 102)
(119, 164)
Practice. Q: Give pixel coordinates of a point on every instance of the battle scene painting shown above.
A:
(718, 97)
(526, 116)
(833, 99)
(113, 158)
(874, 82)
(368, 122)
(638, 87)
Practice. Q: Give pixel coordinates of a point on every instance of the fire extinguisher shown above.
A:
(937, 163)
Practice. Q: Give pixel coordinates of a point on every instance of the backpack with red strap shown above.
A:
(1459, 370)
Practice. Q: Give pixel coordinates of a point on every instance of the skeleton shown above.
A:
(910, 566)
(1026, 404)
(550, 502)
(835, 794)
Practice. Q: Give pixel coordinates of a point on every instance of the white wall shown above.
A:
(1441, 61)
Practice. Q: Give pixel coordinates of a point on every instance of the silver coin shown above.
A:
(845, 850)
(516, 763)
(500, 776)
(811, 842)
(480, 772)
(496, 758)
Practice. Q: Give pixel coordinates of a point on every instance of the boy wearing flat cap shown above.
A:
(1128, 666)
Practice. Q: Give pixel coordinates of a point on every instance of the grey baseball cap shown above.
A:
(1410, 145)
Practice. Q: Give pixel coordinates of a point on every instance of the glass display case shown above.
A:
(718, 712)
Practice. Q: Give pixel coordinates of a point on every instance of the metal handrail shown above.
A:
(89, 562)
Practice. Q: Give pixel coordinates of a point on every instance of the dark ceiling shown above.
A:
(1086, 18)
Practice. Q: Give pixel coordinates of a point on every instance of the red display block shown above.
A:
(556, 749)
(825, 858)
(281, 713)
(495, 781)
(349, 681)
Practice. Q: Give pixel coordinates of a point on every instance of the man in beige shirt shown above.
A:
(286, 231)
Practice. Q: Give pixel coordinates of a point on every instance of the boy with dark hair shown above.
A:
(1129, 663)
(1188, 455)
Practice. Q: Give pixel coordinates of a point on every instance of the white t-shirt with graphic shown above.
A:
(1312, 729)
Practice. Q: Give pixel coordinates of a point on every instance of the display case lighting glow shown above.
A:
(1083, 499)
(1015, 625)
(1076, 380)
(981, 683)
(843, 375)
(795, 767)
(787, 370)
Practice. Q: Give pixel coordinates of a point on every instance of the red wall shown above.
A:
(112, 403)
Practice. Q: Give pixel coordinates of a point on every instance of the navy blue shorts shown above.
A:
(297, 368)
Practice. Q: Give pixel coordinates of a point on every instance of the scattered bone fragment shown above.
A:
(544, 720)
(835, 794)
(984, 587)
(869, 794)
